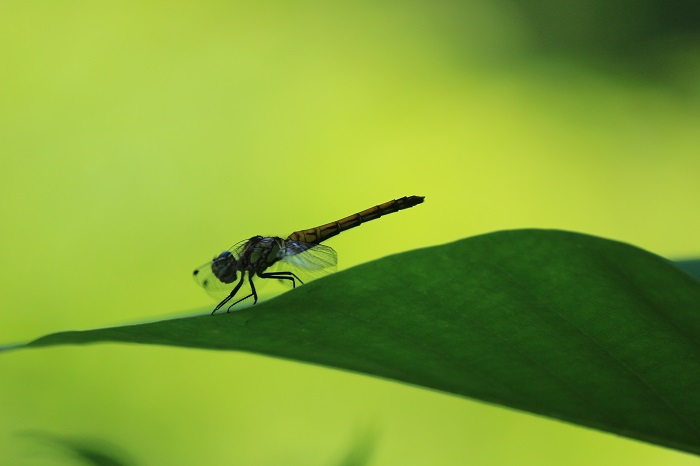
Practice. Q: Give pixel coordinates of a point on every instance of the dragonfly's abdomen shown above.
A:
(323, 232)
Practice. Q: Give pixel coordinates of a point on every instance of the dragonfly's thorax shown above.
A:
(260, 252)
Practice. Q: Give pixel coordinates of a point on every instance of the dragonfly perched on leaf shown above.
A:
(271, 257)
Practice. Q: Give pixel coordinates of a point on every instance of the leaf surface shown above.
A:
(574, 327)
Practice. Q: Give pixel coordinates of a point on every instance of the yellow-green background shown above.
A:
(139, 138)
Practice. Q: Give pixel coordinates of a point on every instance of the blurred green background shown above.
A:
(138, 139)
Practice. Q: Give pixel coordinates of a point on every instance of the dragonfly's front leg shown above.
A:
(240, 300)
(231, 295)
(254, 294)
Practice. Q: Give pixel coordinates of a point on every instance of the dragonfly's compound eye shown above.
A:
(224, 267)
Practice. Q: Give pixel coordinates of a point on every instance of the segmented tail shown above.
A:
(323, 232)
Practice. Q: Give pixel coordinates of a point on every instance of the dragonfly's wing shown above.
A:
(205, 277)
(307, 260)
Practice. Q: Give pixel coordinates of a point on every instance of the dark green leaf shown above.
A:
(570, 326)
(692, 268)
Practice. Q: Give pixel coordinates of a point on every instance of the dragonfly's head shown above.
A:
(224, 267)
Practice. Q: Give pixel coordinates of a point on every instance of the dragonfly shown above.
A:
(271, 257)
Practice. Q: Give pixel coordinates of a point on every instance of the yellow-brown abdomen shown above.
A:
(323, 232)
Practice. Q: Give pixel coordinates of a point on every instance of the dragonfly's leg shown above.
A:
(231, 295)
(252, 288)
(287, 273)
(279, 276)
(292, 274)
(254, 294)
(240, 300)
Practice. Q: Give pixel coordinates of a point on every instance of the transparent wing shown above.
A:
(205, 277)
(307, 260)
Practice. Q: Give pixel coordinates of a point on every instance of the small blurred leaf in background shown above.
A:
(86, 451)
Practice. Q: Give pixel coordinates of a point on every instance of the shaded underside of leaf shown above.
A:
(565, 325)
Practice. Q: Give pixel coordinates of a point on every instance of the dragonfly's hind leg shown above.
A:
(282, 276)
